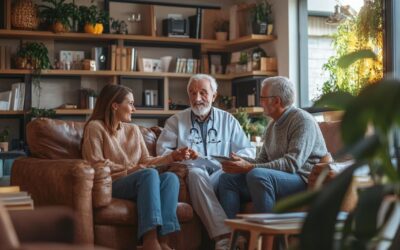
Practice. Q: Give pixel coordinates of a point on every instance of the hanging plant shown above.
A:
(362, 33)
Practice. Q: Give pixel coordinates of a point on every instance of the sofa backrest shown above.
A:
(59, 139)
(332, 136)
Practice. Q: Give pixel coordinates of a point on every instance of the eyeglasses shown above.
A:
(266, 97)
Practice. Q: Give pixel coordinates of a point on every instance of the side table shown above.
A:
(257, 229)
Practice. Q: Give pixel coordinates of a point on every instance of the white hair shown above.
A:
(282, 87)
(210, 79)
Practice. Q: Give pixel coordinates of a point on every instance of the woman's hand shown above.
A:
(182, 154)
(135, 168)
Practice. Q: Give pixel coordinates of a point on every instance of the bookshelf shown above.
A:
(60, 84)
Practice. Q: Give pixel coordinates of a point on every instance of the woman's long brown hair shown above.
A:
(103, 109)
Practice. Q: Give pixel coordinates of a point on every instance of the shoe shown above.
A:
(223, 244)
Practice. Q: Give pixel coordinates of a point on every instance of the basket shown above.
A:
(24, 15)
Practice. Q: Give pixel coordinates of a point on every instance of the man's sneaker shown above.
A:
(222, 244)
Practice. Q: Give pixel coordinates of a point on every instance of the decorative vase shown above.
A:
(24, 15)
(58, 27)
(221, 35)
(270, 29)
(259, 27)
(96, 29)
(3, 146)
(165, 63)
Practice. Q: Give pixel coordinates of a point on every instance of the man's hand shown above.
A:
(186, 153)
(237, 166)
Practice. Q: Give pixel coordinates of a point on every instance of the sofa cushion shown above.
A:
(54, 139)
(123, 212)
(332, 136)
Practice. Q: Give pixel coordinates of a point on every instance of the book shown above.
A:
(118, 59)
(5, 98)
(123, 59)
(113, 57)
(9, 189)
(282, 218)
(133, 59)
(2, 57)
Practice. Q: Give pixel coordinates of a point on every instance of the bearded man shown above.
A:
(208, 131)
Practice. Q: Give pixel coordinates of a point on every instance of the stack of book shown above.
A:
(13, 99)
(123, 58)
(187, 65)
(5, 57)
(13, 198)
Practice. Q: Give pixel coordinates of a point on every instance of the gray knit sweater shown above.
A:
(293, 143)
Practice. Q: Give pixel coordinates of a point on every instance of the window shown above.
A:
(329, 29)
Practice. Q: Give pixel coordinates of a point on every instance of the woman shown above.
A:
(108, 137)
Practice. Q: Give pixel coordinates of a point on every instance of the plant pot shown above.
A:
(21, 62)
(221, 36)
(270, 29)
(3, 146)
(96, 29)
(259, 27)
(331, 116)
(58, 27)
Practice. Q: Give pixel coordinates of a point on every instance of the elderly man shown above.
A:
(293, 143)
(208, 131)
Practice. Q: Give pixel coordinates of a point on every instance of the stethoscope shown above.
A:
(212, 133)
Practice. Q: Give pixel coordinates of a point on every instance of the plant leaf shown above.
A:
(323, 212)
(337, 100)
(346, 60)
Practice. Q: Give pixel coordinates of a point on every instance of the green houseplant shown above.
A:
(221, 27)
(92, 19)
(33, 55)
(261, 16)
(58, 15)
(363, 32)
(38, 112)
(376, 106)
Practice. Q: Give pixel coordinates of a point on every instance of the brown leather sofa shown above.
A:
(45, 229)
(56, 174)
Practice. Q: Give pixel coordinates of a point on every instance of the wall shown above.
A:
(286, 47)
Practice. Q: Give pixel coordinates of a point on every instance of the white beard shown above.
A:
(201, 111)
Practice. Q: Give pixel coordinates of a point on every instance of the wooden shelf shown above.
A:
(51, 72)
(8, 112)
(208, 44)
(137, 112)
(249, 110)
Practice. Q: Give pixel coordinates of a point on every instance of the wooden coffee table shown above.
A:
(257, 229)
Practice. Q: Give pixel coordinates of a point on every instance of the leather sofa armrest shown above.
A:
(181, 171)
(46, 224)
(67, 182)
(102, 185)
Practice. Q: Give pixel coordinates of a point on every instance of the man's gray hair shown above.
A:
(282, 87)
(198, 77)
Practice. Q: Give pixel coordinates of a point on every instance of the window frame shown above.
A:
(391, 47)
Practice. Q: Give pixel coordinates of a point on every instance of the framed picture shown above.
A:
(151, 65)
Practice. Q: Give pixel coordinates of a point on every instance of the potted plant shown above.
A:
(261, 14)
(4, 140)
(38, 112)
(376, 107)
(33, 55)
(92, 19)
(221, 28)
(58, 15)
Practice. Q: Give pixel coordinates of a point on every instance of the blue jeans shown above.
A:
(262, 186)
(156, 198)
